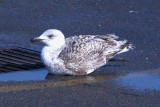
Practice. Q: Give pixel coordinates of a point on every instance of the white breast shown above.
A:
(50, 59)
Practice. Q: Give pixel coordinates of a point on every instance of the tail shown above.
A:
(125, 46)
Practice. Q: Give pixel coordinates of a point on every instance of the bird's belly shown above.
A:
(55, 68)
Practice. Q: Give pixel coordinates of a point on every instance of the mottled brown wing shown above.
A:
(86, 52)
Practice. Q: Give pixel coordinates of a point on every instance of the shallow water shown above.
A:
(140, 80)
(37, 74)
(137, 80)
(42, 74)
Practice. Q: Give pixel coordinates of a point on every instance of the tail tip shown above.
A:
(130, 46)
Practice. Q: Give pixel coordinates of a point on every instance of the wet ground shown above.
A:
(132, 83)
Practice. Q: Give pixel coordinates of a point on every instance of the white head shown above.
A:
(51, 37)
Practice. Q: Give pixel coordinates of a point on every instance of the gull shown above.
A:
(79, 54)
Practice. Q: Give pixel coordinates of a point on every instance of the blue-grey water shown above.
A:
(140, 80)
(37, 74)
(136, 80)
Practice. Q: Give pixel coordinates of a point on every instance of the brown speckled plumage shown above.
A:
(86, 52)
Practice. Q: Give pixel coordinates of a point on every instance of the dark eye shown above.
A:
(50, 36)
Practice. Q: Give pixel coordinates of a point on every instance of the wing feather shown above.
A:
(86, 51)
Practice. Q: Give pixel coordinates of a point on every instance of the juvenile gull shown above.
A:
(78, 55)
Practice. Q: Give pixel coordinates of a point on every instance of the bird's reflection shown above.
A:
(126, 79)
(92, 78)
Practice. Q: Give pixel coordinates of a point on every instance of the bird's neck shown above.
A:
(50, 54)
(54, 48)
(49, 51)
